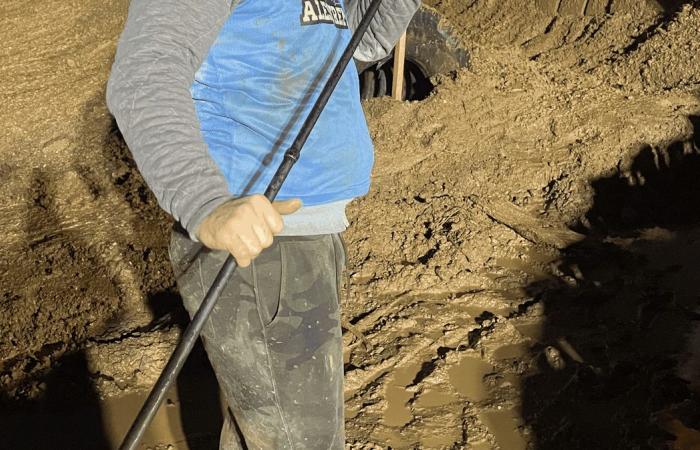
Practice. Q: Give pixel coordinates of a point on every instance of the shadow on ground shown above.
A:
(67, 416)
(50, 400)
(673, 6)
(196, 386)
(625, 305)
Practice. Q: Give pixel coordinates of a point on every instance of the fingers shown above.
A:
(253, 229)
(270, 218)
(243, 248)
(248, 234)
(245, 226)
(263, 234)
(271, 212)
(287, 206)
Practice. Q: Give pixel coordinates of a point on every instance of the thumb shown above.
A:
(287, 206)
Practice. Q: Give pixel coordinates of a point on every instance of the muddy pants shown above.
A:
(274, 340)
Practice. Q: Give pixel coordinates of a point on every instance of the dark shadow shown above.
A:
(196, 386)
(66, 415)
(673, 6)
(377, 80)
(200, 404)
(626, 302)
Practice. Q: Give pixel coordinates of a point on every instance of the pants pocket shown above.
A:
(308, 319)
(267, 280)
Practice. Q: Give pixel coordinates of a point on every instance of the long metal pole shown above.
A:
(183, 349)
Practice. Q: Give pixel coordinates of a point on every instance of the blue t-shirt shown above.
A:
(258, 83)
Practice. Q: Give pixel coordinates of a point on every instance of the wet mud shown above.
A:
(522, 275)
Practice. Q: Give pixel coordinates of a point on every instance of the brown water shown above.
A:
(468, 378)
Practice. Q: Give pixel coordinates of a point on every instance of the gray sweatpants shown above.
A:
(274, 340)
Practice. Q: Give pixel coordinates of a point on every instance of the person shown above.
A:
(208, 95)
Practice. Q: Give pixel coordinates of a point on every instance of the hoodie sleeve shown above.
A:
(391, 21)
(161, 48)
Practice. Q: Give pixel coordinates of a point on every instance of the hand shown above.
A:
(245, 226)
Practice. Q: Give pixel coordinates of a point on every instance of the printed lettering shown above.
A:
(309, 13)
(323, 11)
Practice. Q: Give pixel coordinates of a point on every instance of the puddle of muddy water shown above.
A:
(511, 351)
(189, 419)
(467, 377)
(503, 425)
(439, 441)
(102, 426)
(433, 398)
(166, 428)
(397, 413)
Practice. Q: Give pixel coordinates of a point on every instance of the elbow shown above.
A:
(373, 47)
(371, 53)
(385, 30)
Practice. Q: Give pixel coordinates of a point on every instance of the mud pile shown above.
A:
(519, 275)
(668, 60)
(487, 290)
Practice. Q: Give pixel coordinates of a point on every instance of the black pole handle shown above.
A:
(189, 338)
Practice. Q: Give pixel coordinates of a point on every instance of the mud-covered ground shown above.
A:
(523, 273)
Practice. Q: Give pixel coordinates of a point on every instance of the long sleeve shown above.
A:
(160, 50)
(391, 21)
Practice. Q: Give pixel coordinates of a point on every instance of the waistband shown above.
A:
(328, 218)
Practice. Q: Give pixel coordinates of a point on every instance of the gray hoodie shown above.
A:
(161, 48)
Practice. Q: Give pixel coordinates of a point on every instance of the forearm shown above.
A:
(391, 21)
(159, 52)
